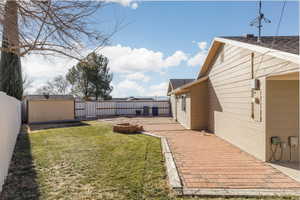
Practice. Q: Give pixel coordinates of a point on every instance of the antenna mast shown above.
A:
(258, 21)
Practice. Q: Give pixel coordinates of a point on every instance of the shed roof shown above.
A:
(288, 44)
(50, 97)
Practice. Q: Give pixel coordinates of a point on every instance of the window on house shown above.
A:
(183, 103)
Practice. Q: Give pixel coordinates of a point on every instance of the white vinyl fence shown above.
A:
(10, 123)
(100, 109)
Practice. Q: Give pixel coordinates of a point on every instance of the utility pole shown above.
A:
(258, 22)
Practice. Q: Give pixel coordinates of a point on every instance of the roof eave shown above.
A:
(264, 50)
(214, 47)
(187, 86)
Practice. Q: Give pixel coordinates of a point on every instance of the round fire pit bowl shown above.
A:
(127, 128)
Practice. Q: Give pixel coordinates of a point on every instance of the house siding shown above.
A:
(184, 117)
(229, 94)
(282, 115)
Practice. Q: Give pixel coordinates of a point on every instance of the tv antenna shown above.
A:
(258, 21)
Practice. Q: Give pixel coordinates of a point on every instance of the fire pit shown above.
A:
(127, 128)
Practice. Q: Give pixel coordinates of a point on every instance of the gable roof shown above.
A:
(289, 44)
(283, 47)
(186, 87)
(50, 97)
(176, 83)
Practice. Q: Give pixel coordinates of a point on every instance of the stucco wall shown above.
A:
(229, 90)
(50, 110)
(282, 114)
(10, 123)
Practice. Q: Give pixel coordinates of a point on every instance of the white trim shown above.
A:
(284, 76)
(209, 50)
(188, 85)
(264, 50)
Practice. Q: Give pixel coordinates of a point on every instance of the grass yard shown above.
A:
(86, 162)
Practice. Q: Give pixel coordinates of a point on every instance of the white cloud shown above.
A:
(202, 45)
(41, 68)
(132, 63)
(125, 3)
(159, 89)
(138, 76)
(127, 59)
(199, 57)
(127, 88)
(175, 59)
(134, 5)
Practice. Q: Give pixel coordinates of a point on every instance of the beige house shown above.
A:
(43, 108)
(248, 94)
(178, 109)
(185, 104)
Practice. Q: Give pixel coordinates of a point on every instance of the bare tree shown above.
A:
(46, 27)
(57, 86)
(27, 83)
(50, 26)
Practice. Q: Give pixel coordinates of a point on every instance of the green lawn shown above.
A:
(86, 162)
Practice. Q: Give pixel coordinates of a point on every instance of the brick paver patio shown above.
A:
(206, 161)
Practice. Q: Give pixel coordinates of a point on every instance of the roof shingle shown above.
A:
(176, 83)
(288, 44)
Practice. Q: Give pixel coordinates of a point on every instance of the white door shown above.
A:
(91, 109)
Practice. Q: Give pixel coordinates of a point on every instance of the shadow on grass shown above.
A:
(21, 182)
(36, 127)
(121, 133)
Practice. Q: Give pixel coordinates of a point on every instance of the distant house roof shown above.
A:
(139, 98)
(176, 83)
(49, 97)
(119, 99)
(288, 44)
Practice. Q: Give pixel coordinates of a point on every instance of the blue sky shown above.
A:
(163, 40)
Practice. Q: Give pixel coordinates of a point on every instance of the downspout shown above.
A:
(175, 107)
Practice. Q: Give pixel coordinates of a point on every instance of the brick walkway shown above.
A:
(206, 161)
